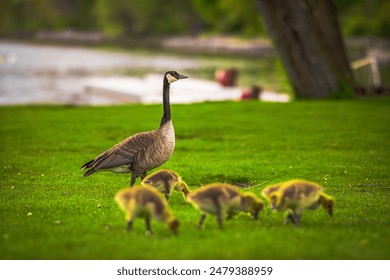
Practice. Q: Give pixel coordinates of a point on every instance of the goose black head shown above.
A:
(173, 76)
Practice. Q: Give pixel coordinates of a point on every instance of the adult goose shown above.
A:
(143, 151)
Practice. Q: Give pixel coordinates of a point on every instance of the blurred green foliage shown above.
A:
(117, 17)
(176, 17)
(364, 17)
(230, 16)
(26, 16)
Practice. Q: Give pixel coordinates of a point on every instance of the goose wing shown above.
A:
(124, 153)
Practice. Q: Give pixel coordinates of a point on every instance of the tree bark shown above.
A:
(307, 36)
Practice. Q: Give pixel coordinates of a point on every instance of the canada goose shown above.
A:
(297, 195)
(143, 151)
(220, 199)
(145, 202)
(166, 181)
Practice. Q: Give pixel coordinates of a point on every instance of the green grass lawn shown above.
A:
(49, 211)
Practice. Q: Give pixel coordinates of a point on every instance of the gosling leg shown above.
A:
(167, 191)
(219, 215)
(289, 218)
(219, 220)
(129, 225)
(297, 220)
(147, 225)
(201, 220)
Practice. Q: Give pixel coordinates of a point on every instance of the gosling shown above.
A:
(270, 189)
(166, 181)
(222, 199)
(297, 195)
(145, 202)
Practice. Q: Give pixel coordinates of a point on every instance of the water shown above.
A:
(48, 74)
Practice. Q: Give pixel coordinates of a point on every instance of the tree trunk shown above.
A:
(307, 36)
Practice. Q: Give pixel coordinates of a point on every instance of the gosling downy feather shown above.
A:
(222, 199)
(143, 151)
(145, 202)
(166, 181)
(270, 189)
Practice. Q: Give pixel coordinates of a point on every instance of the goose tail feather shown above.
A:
(89, 172)
(87, 165)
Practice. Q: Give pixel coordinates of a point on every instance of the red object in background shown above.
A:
(226, 77)
(246, 94)
(251, 93)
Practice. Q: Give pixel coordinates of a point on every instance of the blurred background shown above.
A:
(112, 51)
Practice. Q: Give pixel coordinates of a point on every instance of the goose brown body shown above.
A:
(145, 202)
(137, 154)
(166, 181)
(222, 199)
(295, 196)
(143, 151)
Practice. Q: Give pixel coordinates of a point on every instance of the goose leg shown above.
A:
(143, 175)
(132, 180)
(167, 196)
(202, 217)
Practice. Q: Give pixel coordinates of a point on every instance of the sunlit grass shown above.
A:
(342, 145)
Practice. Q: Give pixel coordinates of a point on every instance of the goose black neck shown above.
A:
(166, 104)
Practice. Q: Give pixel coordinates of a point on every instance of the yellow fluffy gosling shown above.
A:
(222, 199)
(145, 202)
(166, 181)
(270, 189)
(297, 195)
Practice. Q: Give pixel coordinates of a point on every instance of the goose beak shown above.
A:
(182, 76)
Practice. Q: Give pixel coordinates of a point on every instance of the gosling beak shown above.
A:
(182, 76)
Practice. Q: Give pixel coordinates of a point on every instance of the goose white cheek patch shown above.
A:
(171, 79)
